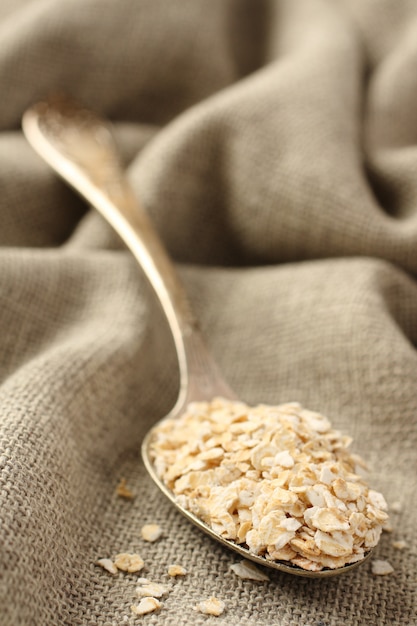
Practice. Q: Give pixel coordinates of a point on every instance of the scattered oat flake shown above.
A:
(123, 490)
(381, 568)
(108, 565)
(212, 606)
(146, 605)
(176, 570)
(151, 532)
(396, 507)
(153, 590)
(129, 562)
(247, 569)
(400, 544)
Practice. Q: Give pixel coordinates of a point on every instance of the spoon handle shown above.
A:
(79, 146)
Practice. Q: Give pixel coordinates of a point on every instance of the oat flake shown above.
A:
(212, 606)
(123, 491)
(247, 569)
(129, 562)
(150, 589)
(176, 570)
(381, 568)
(108, 565)
(146, 605)
(151, 532)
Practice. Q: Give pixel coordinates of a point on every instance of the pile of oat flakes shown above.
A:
(278, 480)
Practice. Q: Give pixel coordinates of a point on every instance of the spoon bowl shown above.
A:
(79, 146)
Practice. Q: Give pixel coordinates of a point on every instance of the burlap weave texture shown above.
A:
(274, 145)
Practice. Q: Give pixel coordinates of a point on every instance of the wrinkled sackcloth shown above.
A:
(274, 145)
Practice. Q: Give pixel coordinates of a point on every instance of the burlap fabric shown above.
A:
(274, 145)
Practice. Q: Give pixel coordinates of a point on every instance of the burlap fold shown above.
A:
(274, 145)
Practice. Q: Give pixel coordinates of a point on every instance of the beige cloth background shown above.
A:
(275, 146)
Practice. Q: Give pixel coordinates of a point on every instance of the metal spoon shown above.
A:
(79, 146)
